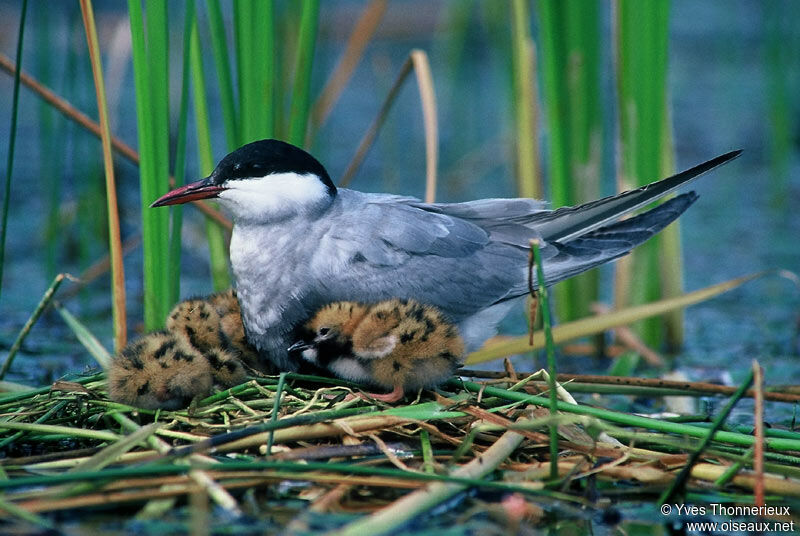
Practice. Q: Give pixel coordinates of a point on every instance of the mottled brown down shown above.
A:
(204, 345)
(400, 345)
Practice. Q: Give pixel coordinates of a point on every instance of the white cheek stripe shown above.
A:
(273, 196)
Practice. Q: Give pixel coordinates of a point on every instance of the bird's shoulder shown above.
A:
(391, 225)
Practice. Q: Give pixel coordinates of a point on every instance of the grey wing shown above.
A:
(406, 249)
(395, 247)
(612, 241)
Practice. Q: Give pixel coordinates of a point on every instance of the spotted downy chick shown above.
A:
(213, 323)
(159, 370)
(395, 344)
(204, 345)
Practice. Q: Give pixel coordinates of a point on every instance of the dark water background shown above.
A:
(746, 219)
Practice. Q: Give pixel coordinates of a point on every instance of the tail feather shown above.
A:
(568, 223)
(612, 241)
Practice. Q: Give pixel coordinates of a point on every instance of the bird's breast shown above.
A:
(272, 267)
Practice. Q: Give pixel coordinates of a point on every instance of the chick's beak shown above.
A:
(299, 346)
(202, 189)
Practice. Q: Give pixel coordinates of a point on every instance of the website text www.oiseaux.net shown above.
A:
(732, 525)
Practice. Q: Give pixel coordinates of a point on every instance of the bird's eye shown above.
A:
(323, 331)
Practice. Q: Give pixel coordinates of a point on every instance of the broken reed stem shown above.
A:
(679, 482)
(758, 448)
(551, 357)
(276, 406)
(43, 303)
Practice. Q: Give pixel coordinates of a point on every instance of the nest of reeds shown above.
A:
(67, 446)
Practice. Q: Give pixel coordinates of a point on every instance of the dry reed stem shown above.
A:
(773, 484)
(630, 339)
(597, 324)
(699, 388)
(418, 61)
(427, 95)
(316, 431)
(758, 446)
(75, 115)
(362, 33)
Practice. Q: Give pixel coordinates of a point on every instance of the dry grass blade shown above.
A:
(362, 33)
(111, 453)
(598, 324)
(86, 338)
(114, 237)
(427, 95)
(758, 447)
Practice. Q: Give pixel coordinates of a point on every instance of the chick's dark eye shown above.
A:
(323, 331)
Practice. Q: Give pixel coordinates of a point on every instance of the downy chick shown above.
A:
(204, 345)
(399, 345)
(159, 370)
(214, 322)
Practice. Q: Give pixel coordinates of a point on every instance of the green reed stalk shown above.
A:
(254, 31)
(12, 139)
(219, 44)
(150, 83)
(782, 41)
(523, 57)
(671, 253)
(216, 238)
(719, 420)
(301, 92)
(570, 58)
(641, 49)
(180, 156)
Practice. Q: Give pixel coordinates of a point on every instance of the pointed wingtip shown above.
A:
(730, 155)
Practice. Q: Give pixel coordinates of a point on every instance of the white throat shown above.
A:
(277, 196)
